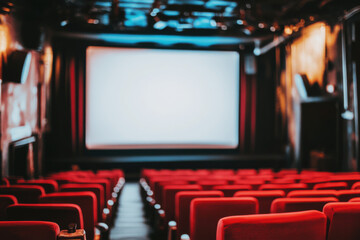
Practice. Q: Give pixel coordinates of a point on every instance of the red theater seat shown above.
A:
(85, 200)
(159, 187)
(49, 185)
(182, 207)
(97, 189)
(24, 194)
(331, 186)
(311, 193)
(28, 230)
(254, 183)
(206, 212)
(350, 178)
(246, 172)
(4, 182)
(5, 201)
(281, 205)
(62, 214)
(103, 182)
(285, 187)
(344, 219)
(357, 199)
(307, 225)
(230, 190)
(210, 184)
(283, 181)
(265, 198)
(168, 203)
(355, 186)
(346, 195)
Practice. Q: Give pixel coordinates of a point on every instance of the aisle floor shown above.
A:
(130, 222)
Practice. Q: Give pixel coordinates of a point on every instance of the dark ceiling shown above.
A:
(233, 17)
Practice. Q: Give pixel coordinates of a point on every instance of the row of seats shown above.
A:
(188, 199)
(83, 199)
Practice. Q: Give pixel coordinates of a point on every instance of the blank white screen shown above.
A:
(154, 98)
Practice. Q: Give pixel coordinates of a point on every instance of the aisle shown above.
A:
(130, 223)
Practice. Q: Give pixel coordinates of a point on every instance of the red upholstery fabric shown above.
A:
(350, 179)
(4, 182)
(182, 207)
(265, 198)
(206, 212)
(281, 205)
(230, 190)
(85, 200)
(357, 199)
(346, 195)
(285, 187)
(14, 179)
(5, 201)
(344, 220)
(355, 186)
(210, 184)
(159, 187)
(254, 183)
(246, 172)
(311, 193)
(331, 185)
(312, 182)
(28, 230)
(307, 225)
(103, 182)
(97, 189)
(24, 194)
(49, 185)
(283, 181)
(168, 203)
(62, 214)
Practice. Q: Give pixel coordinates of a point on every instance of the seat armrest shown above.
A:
(172, 227)
(72, 233)
(185, 237)
(104, 230)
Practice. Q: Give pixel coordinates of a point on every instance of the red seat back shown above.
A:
(182, 207)
(97, 189)
(49, 185)
(281, 205)
(311, 193)
(355, 186)
(24, 194)
(210, 184)
(62, 214)
(4, 182)
(357, 199)
(265, 198)
(28, 230)
(307, 225)
(285, 187)
(85, 200)
(159, 186)
(5, 201)
(331, 186)
(346, 195)
(343, 220)
(230, 190)
(103, 182)
(206, 212)
(168, 203)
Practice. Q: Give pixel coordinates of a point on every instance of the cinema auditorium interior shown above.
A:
(179, 120)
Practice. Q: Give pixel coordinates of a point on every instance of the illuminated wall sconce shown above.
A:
(17, 67)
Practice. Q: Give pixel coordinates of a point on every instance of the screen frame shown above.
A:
(161, 151)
